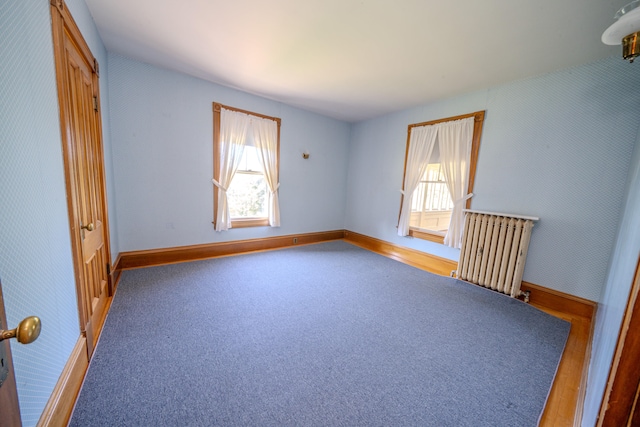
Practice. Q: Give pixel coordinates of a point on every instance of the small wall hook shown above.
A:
(305, 155)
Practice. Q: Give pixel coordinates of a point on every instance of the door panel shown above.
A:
(78, 93)
(9, 408)
(88, 191)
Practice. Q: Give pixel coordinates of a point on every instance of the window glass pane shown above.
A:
(247, 196)
(431, 204)
(250, 161)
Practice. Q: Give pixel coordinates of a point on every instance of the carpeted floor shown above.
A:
(320, 335)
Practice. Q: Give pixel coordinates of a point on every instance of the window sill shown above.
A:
(249, 222)
(426, 235)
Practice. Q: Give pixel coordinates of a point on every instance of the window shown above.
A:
(432, 208)
(247, 195)
(246, 150)
(431, 204)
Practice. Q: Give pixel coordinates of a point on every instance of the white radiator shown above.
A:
(494, 250)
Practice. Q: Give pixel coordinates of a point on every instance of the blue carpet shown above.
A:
(320, 335)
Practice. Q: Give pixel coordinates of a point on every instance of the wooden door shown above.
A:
(9, 409)
(621, 402)
(79, 100)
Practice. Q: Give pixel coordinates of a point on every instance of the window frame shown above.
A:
(238, 222)
(478, 122)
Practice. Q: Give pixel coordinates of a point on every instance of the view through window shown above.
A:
(247, 194)
(431, 203)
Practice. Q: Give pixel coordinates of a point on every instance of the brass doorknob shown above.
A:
(88, 227)
(27, 331)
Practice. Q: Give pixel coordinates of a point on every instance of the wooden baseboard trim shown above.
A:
(63, 398)
(540, 295)
(556, 300)
(567, 395)
(116, 272)
(582, 391)
(138, 259)
(423, 260)
(114, 276)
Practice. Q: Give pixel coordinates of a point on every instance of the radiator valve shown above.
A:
(526, 295)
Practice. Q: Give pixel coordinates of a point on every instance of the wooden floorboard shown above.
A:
(560, 410)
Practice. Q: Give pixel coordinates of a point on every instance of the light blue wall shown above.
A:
(35, 251)
(557, 146)
(36, 266)
(615, 293)
(162, 132)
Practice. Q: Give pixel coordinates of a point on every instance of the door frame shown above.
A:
(63, 25)
(621, 394)
(9, 405)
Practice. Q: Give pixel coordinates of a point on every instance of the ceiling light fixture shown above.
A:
(625, 30)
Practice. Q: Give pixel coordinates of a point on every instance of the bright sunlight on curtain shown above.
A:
(265, 138)
(454, 141)
(233, 135)
(420, 148)
(439, 174)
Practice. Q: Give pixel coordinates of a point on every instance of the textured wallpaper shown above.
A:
(556, 146)
(162, 142)
(35, 254)
(616, 293)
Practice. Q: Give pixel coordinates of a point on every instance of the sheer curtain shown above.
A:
(265, 137)
(233, 135)
(421, 145)
(454, 141)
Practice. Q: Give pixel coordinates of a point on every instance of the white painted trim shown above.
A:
(532, 218)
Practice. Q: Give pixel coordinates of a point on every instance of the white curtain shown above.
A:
(265, 138)
(454, 141)
(233, 135)
(421, 145)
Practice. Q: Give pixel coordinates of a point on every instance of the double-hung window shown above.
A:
(246, 148)
(431, 204)
(248, 194)
(440, 164)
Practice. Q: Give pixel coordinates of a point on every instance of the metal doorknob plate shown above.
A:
(27, 331)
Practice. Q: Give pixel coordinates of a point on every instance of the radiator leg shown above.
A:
(526, 295)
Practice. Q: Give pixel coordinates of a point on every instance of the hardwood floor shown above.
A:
(567, 393)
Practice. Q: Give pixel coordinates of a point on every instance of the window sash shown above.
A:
(239, 191)
(432, 194)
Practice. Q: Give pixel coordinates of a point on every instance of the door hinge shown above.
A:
(95, 104)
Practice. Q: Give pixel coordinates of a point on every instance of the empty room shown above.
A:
(319, 213)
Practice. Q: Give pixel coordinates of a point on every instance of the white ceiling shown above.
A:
(357, 59)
